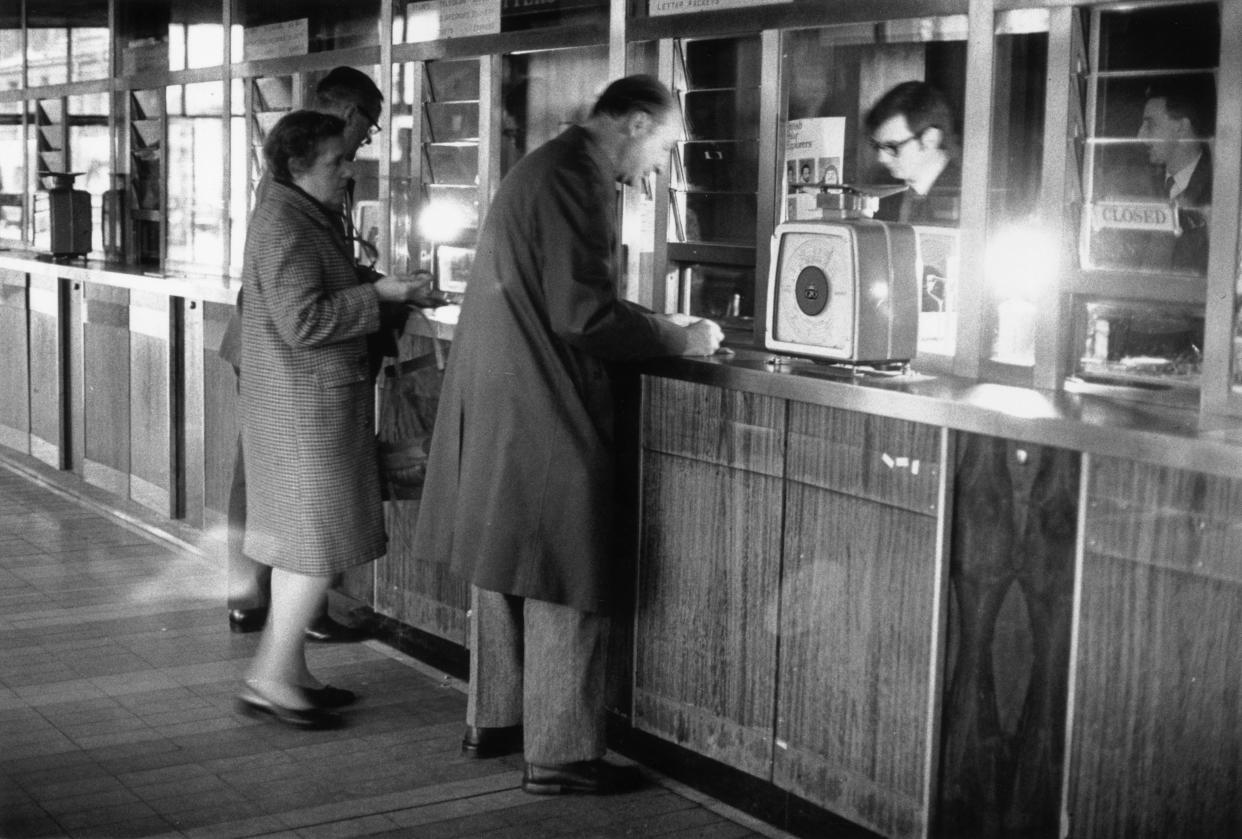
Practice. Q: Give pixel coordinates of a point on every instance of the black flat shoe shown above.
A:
(330, 697)
(328, 631)
(586, 777)
(484, 742)
(252, 704)
(247, 620)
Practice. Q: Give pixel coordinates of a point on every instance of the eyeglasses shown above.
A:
(893, 147)
(372, 130)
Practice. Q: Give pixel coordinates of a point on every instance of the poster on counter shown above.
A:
(434, 19)
(682, 7)
(814, 150)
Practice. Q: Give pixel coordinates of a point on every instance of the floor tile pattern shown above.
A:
(117, 677)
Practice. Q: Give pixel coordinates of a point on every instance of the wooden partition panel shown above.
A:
(417, 590)
(150, 408)
(705, 656)
(1011, 569)
(15, 369)
(1156, 741)
(220, 423)
(106, 374)
(47, 371)
(860, 617)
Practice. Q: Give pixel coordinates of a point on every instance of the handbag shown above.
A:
(409, 396)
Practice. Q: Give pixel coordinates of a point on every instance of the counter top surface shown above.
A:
(214, 289)
(1165, 435)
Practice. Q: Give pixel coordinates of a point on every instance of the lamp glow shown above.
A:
(1020, 263)
(442, 221)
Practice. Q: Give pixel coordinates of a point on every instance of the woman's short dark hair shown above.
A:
(295, 139)
(634, 93)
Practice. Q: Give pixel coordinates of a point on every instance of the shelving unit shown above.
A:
(715, 180)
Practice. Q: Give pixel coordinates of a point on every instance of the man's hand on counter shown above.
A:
(703, 336)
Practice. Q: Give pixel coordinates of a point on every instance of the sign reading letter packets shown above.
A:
(682, 7)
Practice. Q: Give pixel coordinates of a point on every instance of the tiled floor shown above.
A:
(117, 675)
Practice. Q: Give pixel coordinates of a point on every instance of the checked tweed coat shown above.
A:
(519, 491)
(307, 399)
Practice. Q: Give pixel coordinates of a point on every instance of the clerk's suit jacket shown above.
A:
(1190, 250)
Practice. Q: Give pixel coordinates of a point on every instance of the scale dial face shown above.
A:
(816, 289)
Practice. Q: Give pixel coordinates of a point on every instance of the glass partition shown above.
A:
(1150, 120)
(195, 208)
(1148, 110)
(1021, 264)
(912, 73)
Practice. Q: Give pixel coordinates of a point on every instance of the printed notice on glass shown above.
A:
(435, 19)
(814, 151)
(275, 40)
(682, 7)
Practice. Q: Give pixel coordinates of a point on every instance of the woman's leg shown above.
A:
(278, 671)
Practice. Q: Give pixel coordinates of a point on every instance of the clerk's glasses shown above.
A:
(893, 147)
(372, 130)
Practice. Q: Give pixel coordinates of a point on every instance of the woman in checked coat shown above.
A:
(307, 410)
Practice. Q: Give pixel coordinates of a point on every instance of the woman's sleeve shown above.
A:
(291, 274)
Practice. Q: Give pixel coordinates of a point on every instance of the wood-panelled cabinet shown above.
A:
(790, 594)
(1156, 749)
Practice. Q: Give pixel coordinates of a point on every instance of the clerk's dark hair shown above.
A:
(345, 86)
(1188, 97)
(295, 140)
(634, 93)
(923, 107)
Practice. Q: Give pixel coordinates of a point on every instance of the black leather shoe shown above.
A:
(250, 703)
(327, 631)
(587, 777)
(482, 741)
(330, 697)
(247, 620)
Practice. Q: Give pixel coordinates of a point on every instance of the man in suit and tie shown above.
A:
(1178, 116)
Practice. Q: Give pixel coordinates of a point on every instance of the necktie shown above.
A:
(1168, 185)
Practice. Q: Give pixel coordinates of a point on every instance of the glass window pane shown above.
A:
(195, 213)
(12, 173)
(90, 154)
(10, 47)
(1147, 167)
